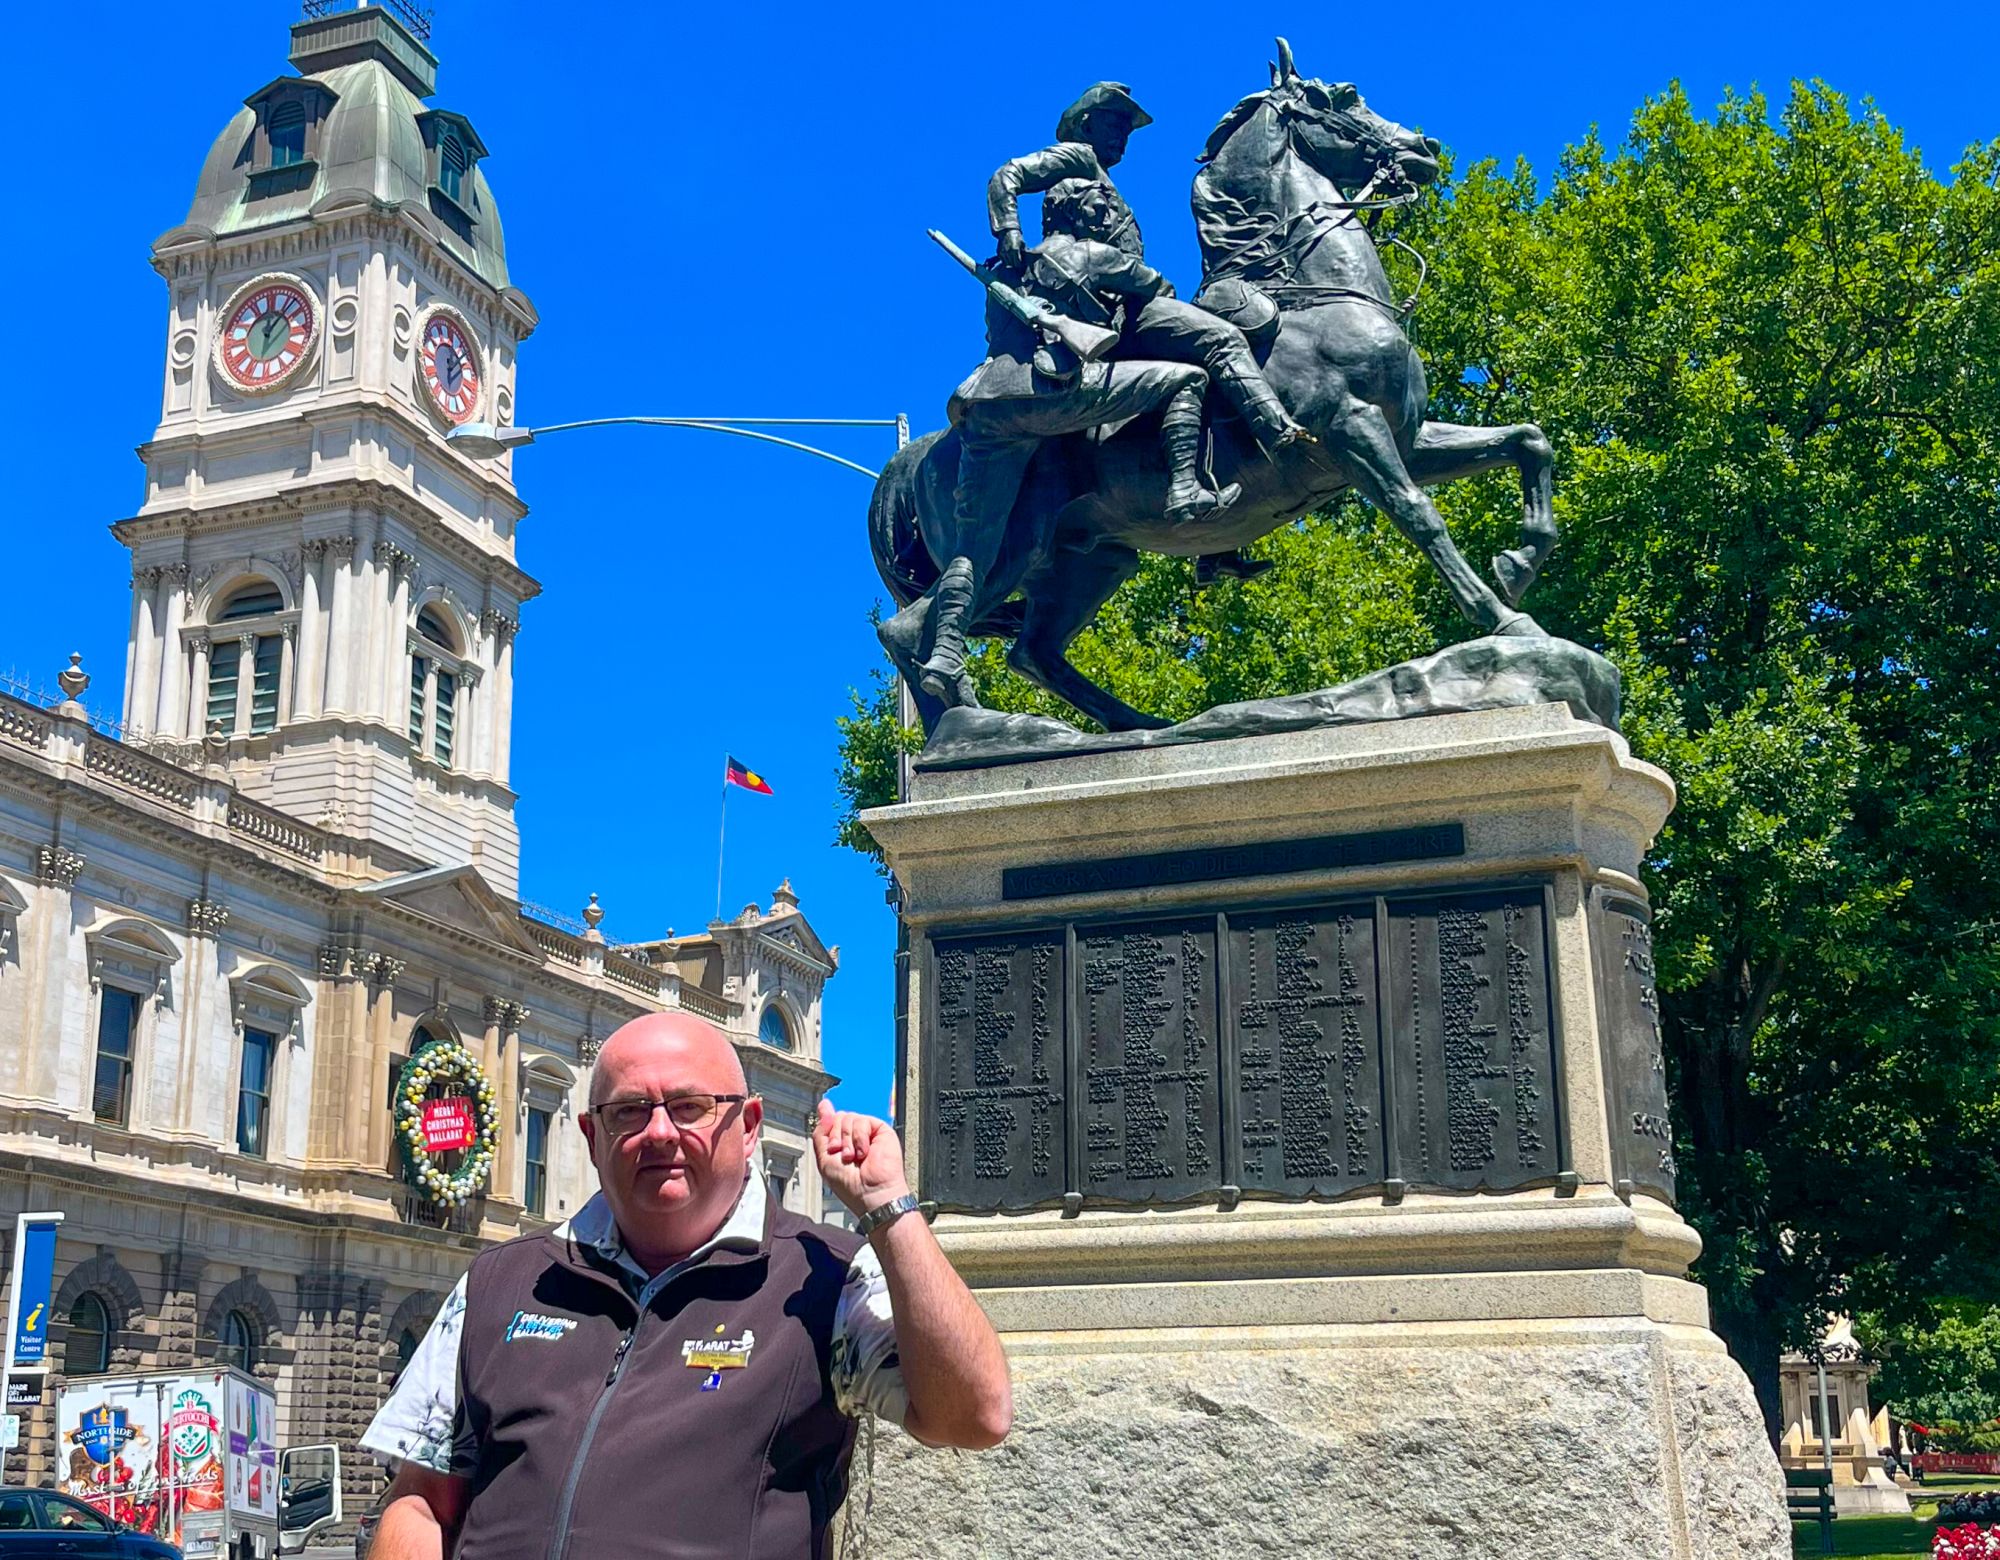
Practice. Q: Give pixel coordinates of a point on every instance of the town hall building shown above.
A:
(230, 919)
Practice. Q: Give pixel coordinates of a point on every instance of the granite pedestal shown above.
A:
(1294, 1106)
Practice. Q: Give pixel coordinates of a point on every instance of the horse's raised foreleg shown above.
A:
(1444, 452)
(1062, 600)
(1361, 443)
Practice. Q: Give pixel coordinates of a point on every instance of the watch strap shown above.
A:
(893, 1209)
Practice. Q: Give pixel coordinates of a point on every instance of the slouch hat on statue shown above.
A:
(1106, 94)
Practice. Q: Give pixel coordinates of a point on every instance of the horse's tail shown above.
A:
(895, 527)
(894, 533)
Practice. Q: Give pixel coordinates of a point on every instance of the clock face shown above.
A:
(450, 369)
(267, 334)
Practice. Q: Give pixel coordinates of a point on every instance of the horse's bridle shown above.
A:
(1293, 296)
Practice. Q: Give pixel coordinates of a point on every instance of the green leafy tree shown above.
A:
(1767, 351)
(1941, 1370)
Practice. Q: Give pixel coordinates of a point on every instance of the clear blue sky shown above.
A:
(720, 209)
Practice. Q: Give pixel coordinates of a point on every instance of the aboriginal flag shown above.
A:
(741, 774)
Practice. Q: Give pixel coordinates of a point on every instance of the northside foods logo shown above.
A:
(102, 1432)
(192, 1427)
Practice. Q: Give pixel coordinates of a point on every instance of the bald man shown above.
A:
(677, 1371)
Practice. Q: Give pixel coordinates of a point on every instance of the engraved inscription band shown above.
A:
(1266, 859)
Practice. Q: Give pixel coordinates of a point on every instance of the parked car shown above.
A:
(41, 1522)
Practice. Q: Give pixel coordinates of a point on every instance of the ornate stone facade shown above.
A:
(222, 933)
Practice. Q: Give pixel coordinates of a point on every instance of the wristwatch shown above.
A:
(893, 1209)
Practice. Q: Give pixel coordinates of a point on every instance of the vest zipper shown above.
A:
(560, 1541)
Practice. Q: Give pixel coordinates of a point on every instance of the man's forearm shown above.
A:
(409, 1530)
(954, 1369)
(421, 1517)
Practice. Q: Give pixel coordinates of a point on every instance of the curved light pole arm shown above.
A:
(482, 441)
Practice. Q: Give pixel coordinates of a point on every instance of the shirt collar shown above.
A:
(592, 1226)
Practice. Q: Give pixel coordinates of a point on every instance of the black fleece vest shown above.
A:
(592, 1432)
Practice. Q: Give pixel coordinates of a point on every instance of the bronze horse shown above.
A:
(1272, 212)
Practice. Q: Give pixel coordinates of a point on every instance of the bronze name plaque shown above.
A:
(1306, 1051)
(1642, 1137)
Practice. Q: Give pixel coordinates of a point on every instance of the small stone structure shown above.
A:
(1861, 1481)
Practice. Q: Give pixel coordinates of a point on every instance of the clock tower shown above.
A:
(325, 594)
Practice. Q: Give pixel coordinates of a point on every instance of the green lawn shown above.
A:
(1874, 1538)
(1878, 1538)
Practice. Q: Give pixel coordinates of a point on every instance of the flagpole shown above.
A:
(721, 825)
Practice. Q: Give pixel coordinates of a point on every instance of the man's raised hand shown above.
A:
(860, 1158)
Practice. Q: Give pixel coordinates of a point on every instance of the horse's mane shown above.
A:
(1231, 122)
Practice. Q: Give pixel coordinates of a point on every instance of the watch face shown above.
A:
(450, 369)
(267, 334)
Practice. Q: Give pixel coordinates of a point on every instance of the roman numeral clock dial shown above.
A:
(448, 365)
(268, 332)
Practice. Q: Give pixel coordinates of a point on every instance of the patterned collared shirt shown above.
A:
(415, 1425)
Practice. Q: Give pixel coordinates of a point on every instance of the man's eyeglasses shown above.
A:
(688, 1112)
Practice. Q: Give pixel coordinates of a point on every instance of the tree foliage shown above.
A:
(1945, 1370)
(1766, 348)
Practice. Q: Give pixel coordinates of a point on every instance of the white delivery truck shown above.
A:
(191, 1456)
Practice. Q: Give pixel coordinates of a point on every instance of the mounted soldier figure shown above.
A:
(1091, 137)
(1283, 252)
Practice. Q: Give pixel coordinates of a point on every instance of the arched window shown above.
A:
(258, 600)
(451, 168)
(244, 667)
(89, 1350)
(435, 684)
(287, 130)
(240, 1341)
(772, 1028)
(406, 1350)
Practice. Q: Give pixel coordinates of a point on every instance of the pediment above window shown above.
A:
(129, 951)
(13, 905)
(546, 1082)
(267, 996)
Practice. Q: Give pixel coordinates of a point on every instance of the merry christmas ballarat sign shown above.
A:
(448, 1122)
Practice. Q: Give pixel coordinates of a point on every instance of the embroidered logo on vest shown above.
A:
(532, 1324)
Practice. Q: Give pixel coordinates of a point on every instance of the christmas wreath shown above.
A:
(428, 1125)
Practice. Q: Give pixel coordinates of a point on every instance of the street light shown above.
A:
(483, 441)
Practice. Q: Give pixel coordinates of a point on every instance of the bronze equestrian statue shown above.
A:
(1288, 261)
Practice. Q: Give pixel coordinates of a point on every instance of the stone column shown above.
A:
(45, 959)
(197, 717)
(309, 668)
(503, 698)
(288, 660)
(341, 648)
(483, 753)
(382, 1015)
(180, 1307)
(142, 666)
(339, 1043)
(206, 917)
(507, 1167)
(402, 568)
(171, 613)
(461, 702)
(246, 680)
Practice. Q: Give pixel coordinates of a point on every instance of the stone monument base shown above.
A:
(1294, 1104)
(1577, 1439)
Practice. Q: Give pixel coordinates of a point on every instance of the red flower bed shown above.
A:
(1970, 1542)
